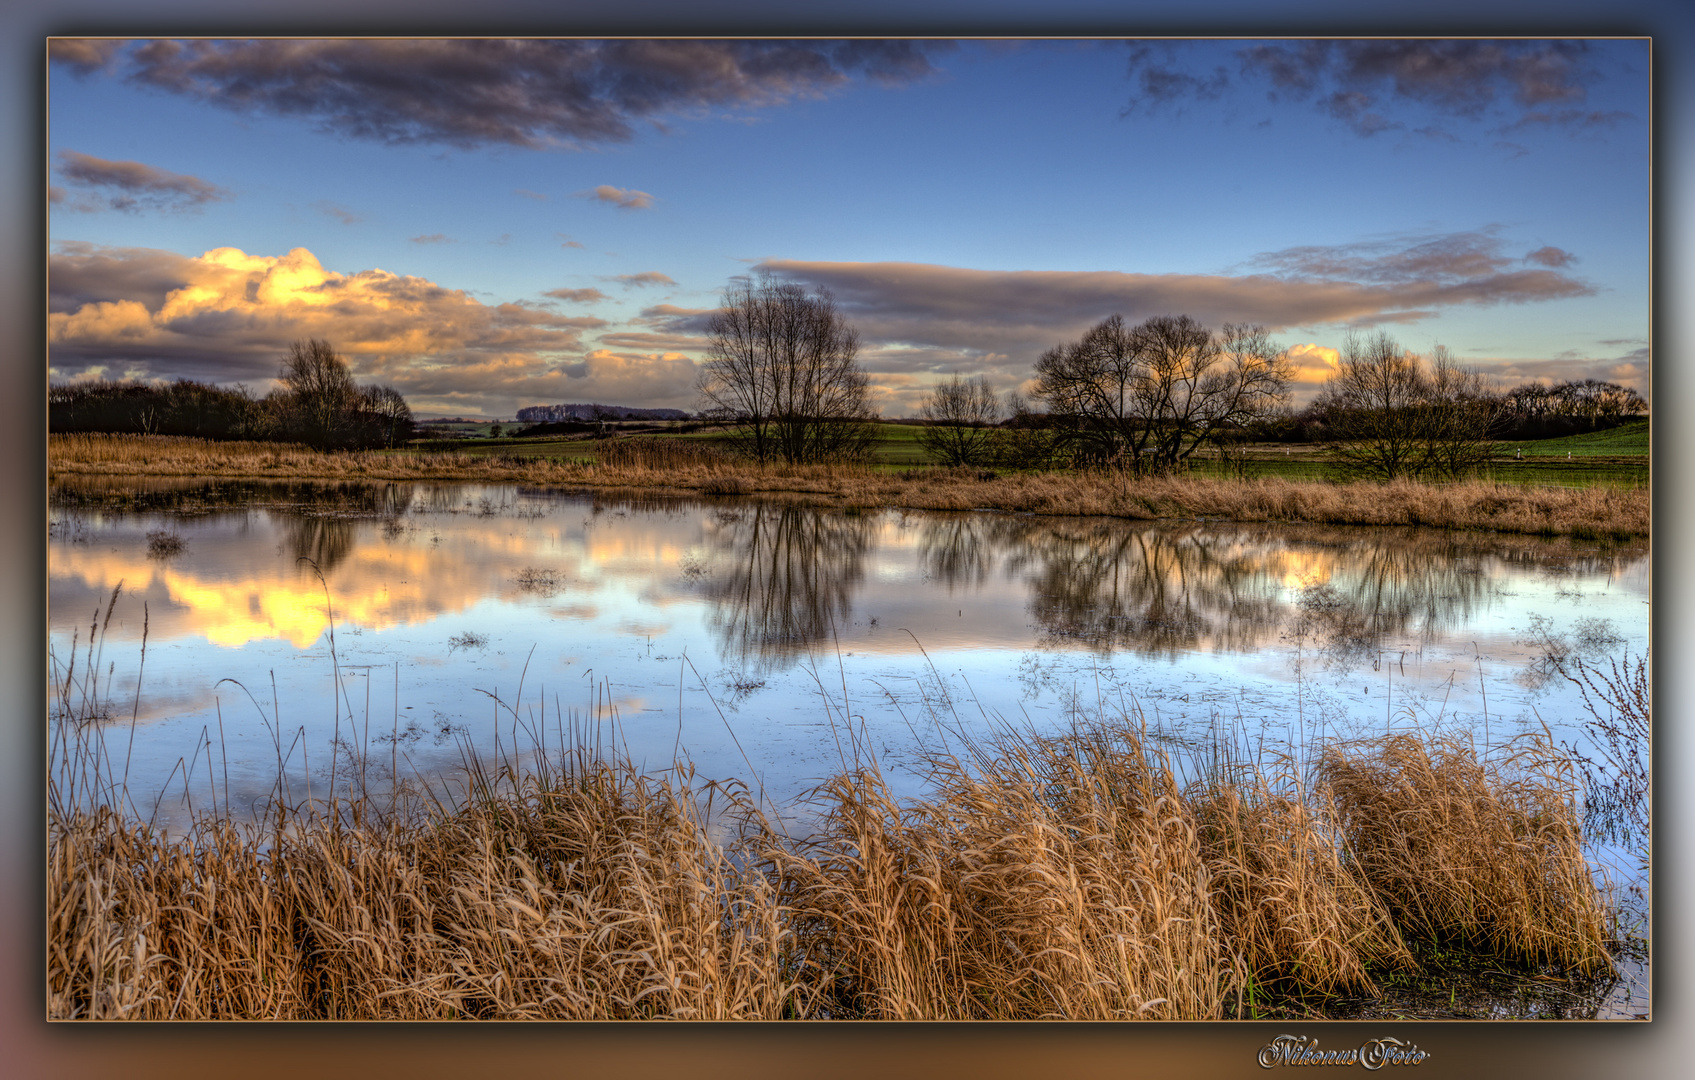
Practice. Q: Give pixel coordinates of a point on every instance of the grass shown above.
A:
(1066, 877)
(695, 467)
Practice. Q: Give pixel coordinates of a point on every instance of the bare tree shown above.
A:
(1151, 395)
(319, 392)
(782, 368)
(390, 413)
(961, 414)
(1393, 414)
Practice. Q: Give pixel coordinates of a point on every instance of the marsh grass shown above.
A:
(670, 465)
(1074, 876)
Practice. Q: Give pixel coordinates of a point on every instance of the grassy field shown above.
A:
(1616, 458)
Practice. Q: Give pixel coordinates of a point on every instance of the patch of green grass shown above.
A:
(1624, 440)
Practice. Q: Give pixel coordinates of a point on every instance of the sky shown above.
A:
(490, 224)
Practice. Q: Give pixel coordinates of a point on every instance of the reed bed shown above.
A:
(1599, 513)
(1071, 877)
(1486, 852)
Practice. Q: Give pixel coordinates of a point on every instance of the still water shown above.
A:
(753, 639)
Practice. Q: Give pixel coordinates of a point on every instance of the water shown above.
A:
(743, 634)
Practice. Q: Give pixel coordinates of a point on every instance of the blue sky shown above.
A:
(487, 226)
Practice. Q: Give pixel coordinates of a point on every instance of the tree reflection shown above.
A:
(1165, 589)
(790, 581)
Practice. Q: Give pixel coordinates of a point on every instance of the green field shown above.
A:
(1623, 441)
(1618, 457)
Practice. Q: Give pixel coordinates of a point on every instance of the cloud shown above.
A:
(528, 194)
(676, 320)
(566, 241)
(1313, 363)
(1363, 83)
(1551, 256)
(1024, 312)
(471, 93)
(433, 238)
(643, 279)
(227, 316)
(130, 185)
(337, 211)
(623, 198)
(1569, 120)
(83, 55)
(1634, 369)
(577, 296)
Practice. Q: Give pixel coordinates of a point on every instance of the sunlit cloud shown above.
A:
(432, 238)
(623, 198)
(1313, 363)
(471, 93)
(228, 316)
(643, 279)
(528, 194)
(129, 186)
(577, 296)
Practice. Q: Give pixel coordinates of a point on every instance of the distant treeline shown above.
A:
(1528, 411)
(552, 414)
(318, 404)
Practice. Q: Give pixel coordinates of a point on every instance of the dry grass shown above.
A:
(1047, 878)
(674, 466)
(1462, 847)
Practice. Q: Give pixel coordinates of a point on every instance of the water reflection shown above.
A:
(779, 581)
(789, 580)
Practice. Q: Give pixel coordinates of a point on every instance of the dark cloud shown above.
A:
(131, 185)
(83, 273)
(637, 341)
(643, 279)
(1362, 83)
(1551, 256)
(1022, 312)
(622, 198)
(676, 320)
(83, 55)
(577, 296)
(529, 93)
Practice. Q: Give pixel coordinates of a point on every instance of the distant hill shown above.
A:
(545, 414)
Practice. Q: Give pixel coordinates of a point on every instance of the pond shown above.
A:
(744, 634)
(247, 637)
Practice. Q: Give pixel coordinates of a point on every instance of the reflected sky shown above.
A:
(743, 633)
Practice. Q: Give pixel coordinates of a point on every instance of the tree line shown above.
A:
(782, 374)
(316, 403)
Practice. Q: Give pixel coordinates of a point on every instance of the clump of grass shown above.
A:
(162, 544)
(1056, 879)
(1304, 918)
(541, 580)
(1480, 850)
(470, 639)
(1620, 725)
